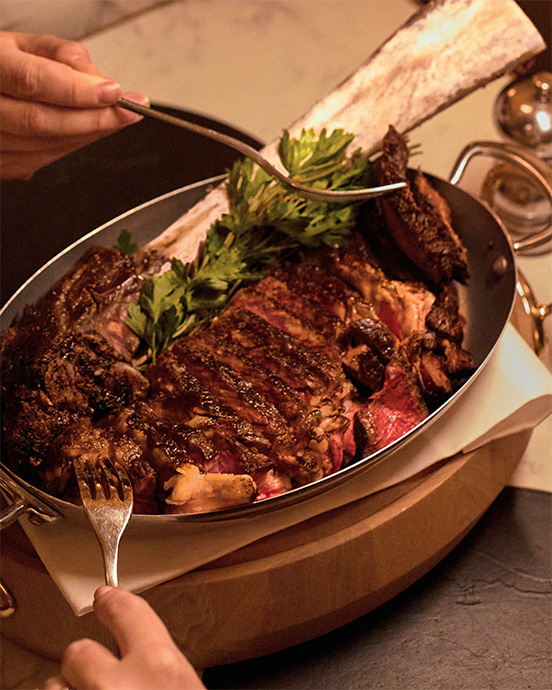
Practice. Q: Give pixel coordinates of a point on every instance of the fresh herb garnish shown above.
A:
(267, 223)
(125, 244)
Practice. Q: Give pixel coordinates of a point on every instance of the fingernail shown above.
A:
(127, 117)
(137, 97)
(109, 92)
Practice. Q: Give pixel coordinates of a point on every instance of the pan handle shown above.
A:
(7, 602)
(19, 504)
(518, 156)
(13, 512)
(531, 326)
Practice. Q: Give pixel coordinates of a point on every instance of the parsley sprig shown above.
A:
(267, 223)
(125, 244)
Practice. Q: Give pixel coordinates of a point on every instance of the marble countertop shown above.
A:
(258, 65)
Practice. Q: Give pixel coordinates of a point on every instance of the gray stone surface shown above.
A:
(479, 620)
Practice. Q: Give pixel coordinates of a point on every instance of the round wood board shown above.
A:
(292, 586)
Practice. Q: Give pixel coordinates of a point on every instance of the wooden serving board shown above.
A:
(292, 586)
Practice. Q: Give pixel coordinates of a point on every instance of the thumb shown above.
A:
(130, 619)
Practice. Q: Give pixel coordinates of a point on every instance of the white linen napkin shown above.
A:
(513, 392)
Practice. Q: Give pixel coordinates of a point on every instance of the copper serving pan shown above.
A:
(487, 301)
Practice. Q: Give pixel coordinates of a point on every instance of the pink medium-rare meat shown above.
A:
(402, 305)
(393, 411)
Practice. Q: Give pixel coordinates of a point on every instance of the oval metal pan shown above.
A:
(487, 302)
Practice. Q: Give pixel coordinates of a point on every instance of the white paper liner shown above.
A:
(512, 393)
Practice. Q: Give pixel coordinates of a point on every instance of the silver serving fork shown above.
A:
(106, 493)
(326, 195)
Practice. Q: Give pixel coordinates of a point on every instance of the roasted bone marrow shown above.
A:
(313, 366)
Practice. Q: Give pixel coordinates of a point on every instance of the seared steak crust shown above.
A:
(418, 219)
(61, 365)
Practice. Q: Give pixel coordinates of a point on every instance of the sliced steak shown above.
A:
(402, 306)
(418, 218)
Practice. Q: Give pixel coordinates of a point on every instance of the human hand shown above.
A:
(53, 100)
(149, 658)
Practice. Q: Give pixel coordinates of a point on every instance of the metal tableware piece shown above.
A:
(488, 301)
(23, 500)
(521, 204)
(106, 494)
(523, 111)
(531, 326)
(521, 158)
(536, 172)
(325, 195)
(20, 502)
(8, 604)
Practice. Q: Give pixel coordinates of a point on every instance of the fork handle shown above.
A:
(347, 196)
(110, 553)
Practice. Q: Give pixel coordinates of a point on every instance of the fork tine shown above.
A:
(97, 471)
(117, 479)
(111, 478)
(82, 478)
(126, 484)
